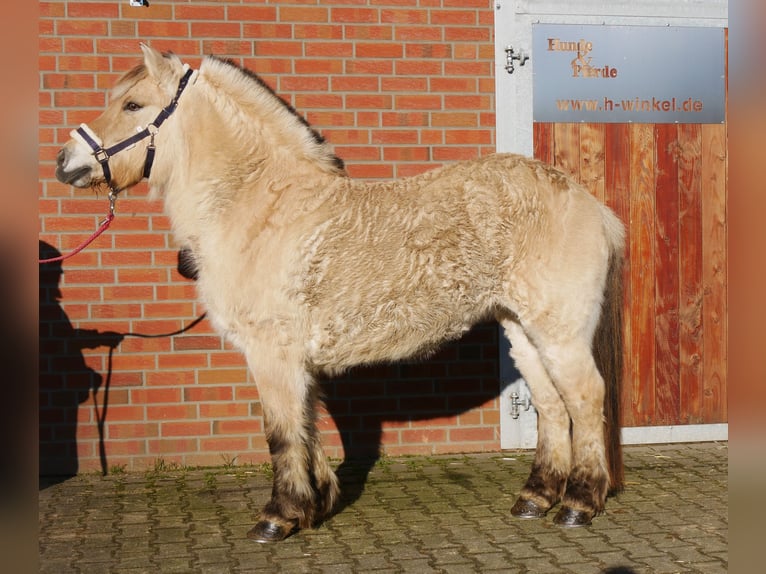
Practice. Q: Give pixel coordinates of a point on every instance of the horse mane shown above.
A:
(252, 92)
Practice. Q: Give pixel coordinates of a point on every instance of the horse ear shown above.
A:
(163, 68)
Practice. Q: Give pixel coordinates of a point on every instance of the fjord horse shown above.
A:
(309, 272)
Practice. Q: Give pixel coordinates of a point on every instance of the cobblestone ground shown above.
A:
(445, 514)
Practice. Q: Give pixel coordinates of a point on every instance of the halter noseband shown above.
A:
(102, 155)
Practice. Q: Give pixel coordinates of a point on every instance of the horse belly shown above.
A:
(377, 310)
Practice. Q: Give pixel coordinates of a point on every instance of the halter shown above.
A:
(102, 155)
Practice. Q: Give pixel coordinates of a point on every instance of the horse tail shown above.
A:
(608, 352)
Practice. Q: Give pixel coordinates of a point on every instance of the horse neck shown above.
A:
(220, 155)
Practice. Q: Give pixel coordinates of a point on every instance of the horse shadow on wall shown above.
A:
(65, 380)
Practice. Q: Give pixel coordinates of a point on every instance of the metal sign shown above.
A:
(615, 74)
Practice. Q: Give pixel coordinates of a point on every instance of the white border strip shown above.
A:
(675, 433)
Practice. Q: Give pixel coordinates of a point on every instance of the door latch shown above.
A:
(511, 55)
(517, 403)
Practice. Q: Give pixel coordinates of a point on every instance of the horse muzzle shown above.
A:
(68, 172)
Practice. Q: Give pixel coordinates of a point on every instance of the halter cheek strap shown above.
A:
(102, 155)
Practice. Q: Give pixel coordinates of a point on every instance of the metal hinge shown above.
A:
(511, 55)
(517, 403)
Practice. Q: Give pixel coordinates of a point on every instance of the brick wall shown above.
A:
(398, 86)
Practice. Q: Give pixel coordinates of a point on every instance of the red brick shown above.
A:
(128, 293)
(194, 429)
(133, 430)
(116, 447)
(355, 84)
(418, 67)
(227, 359)
(454, 17)
(171, 378)
(206, 394)
(329, 50)
(331, 118)
(142, 345)
(163, 29)
(196, 343)
(423, 436)
(378, 50)
(429, 50)
(170, 412)
(163, 309)
(404, 84)
(200, 12)
(225, 445)
(125, 413)
(145, 275)
(173, 445)
(407, 153)
(356, 15)
(224, 410)
(455, 119)
(90, 28)
(376, 67)
(249, 426)
(281, 48)
(463, 137)
(185, 361)
(303, 14)
(222, 376)
(418, 102)
(402, 16)
(395, 137)
(317, 32)
(158, 395)
(369, 101)
(310, 66)
(252, 13)
(472, 434)
(419, 33)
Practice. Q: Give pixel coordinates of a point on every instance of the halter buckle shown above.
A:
(101, 155)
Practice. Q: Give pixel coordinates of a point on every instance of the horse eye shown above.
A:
(131, 106)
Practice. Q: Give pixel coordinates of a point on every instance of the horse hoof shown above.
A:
(570, 517)
(527, 509)
(268, 531)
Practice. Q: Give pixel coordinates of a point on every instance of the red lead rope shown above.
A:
(101, 228)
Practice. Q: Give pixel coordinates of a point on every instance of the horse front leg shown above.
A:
(547, 479)
(304, 486)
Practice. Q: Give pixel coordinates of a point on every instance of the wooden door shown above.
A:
(668, 183)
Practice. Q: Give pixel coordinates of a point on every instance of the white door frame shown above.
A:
(513, 97)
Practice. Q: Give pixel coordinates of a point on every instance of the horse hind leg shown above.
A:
(304, 486)
(577, 379)
(547, 479)
(324, 478)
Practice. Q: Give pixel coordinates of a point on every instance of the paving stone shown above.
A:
(441, 514)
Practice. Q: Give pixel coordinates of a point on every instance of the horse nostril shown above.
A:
(61, 157)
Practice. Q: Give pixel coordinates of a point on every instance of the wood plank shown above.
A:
(566, 152)
(543, 141)
(714, 312)
(690, 271)
(617, 196)
(592, 158)
(666, 265)
(641, 381)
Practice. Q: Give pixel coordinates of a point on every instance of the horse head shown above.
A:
(117, 148)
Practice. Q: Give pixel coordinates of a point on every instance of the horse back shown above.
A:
(396, 268)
